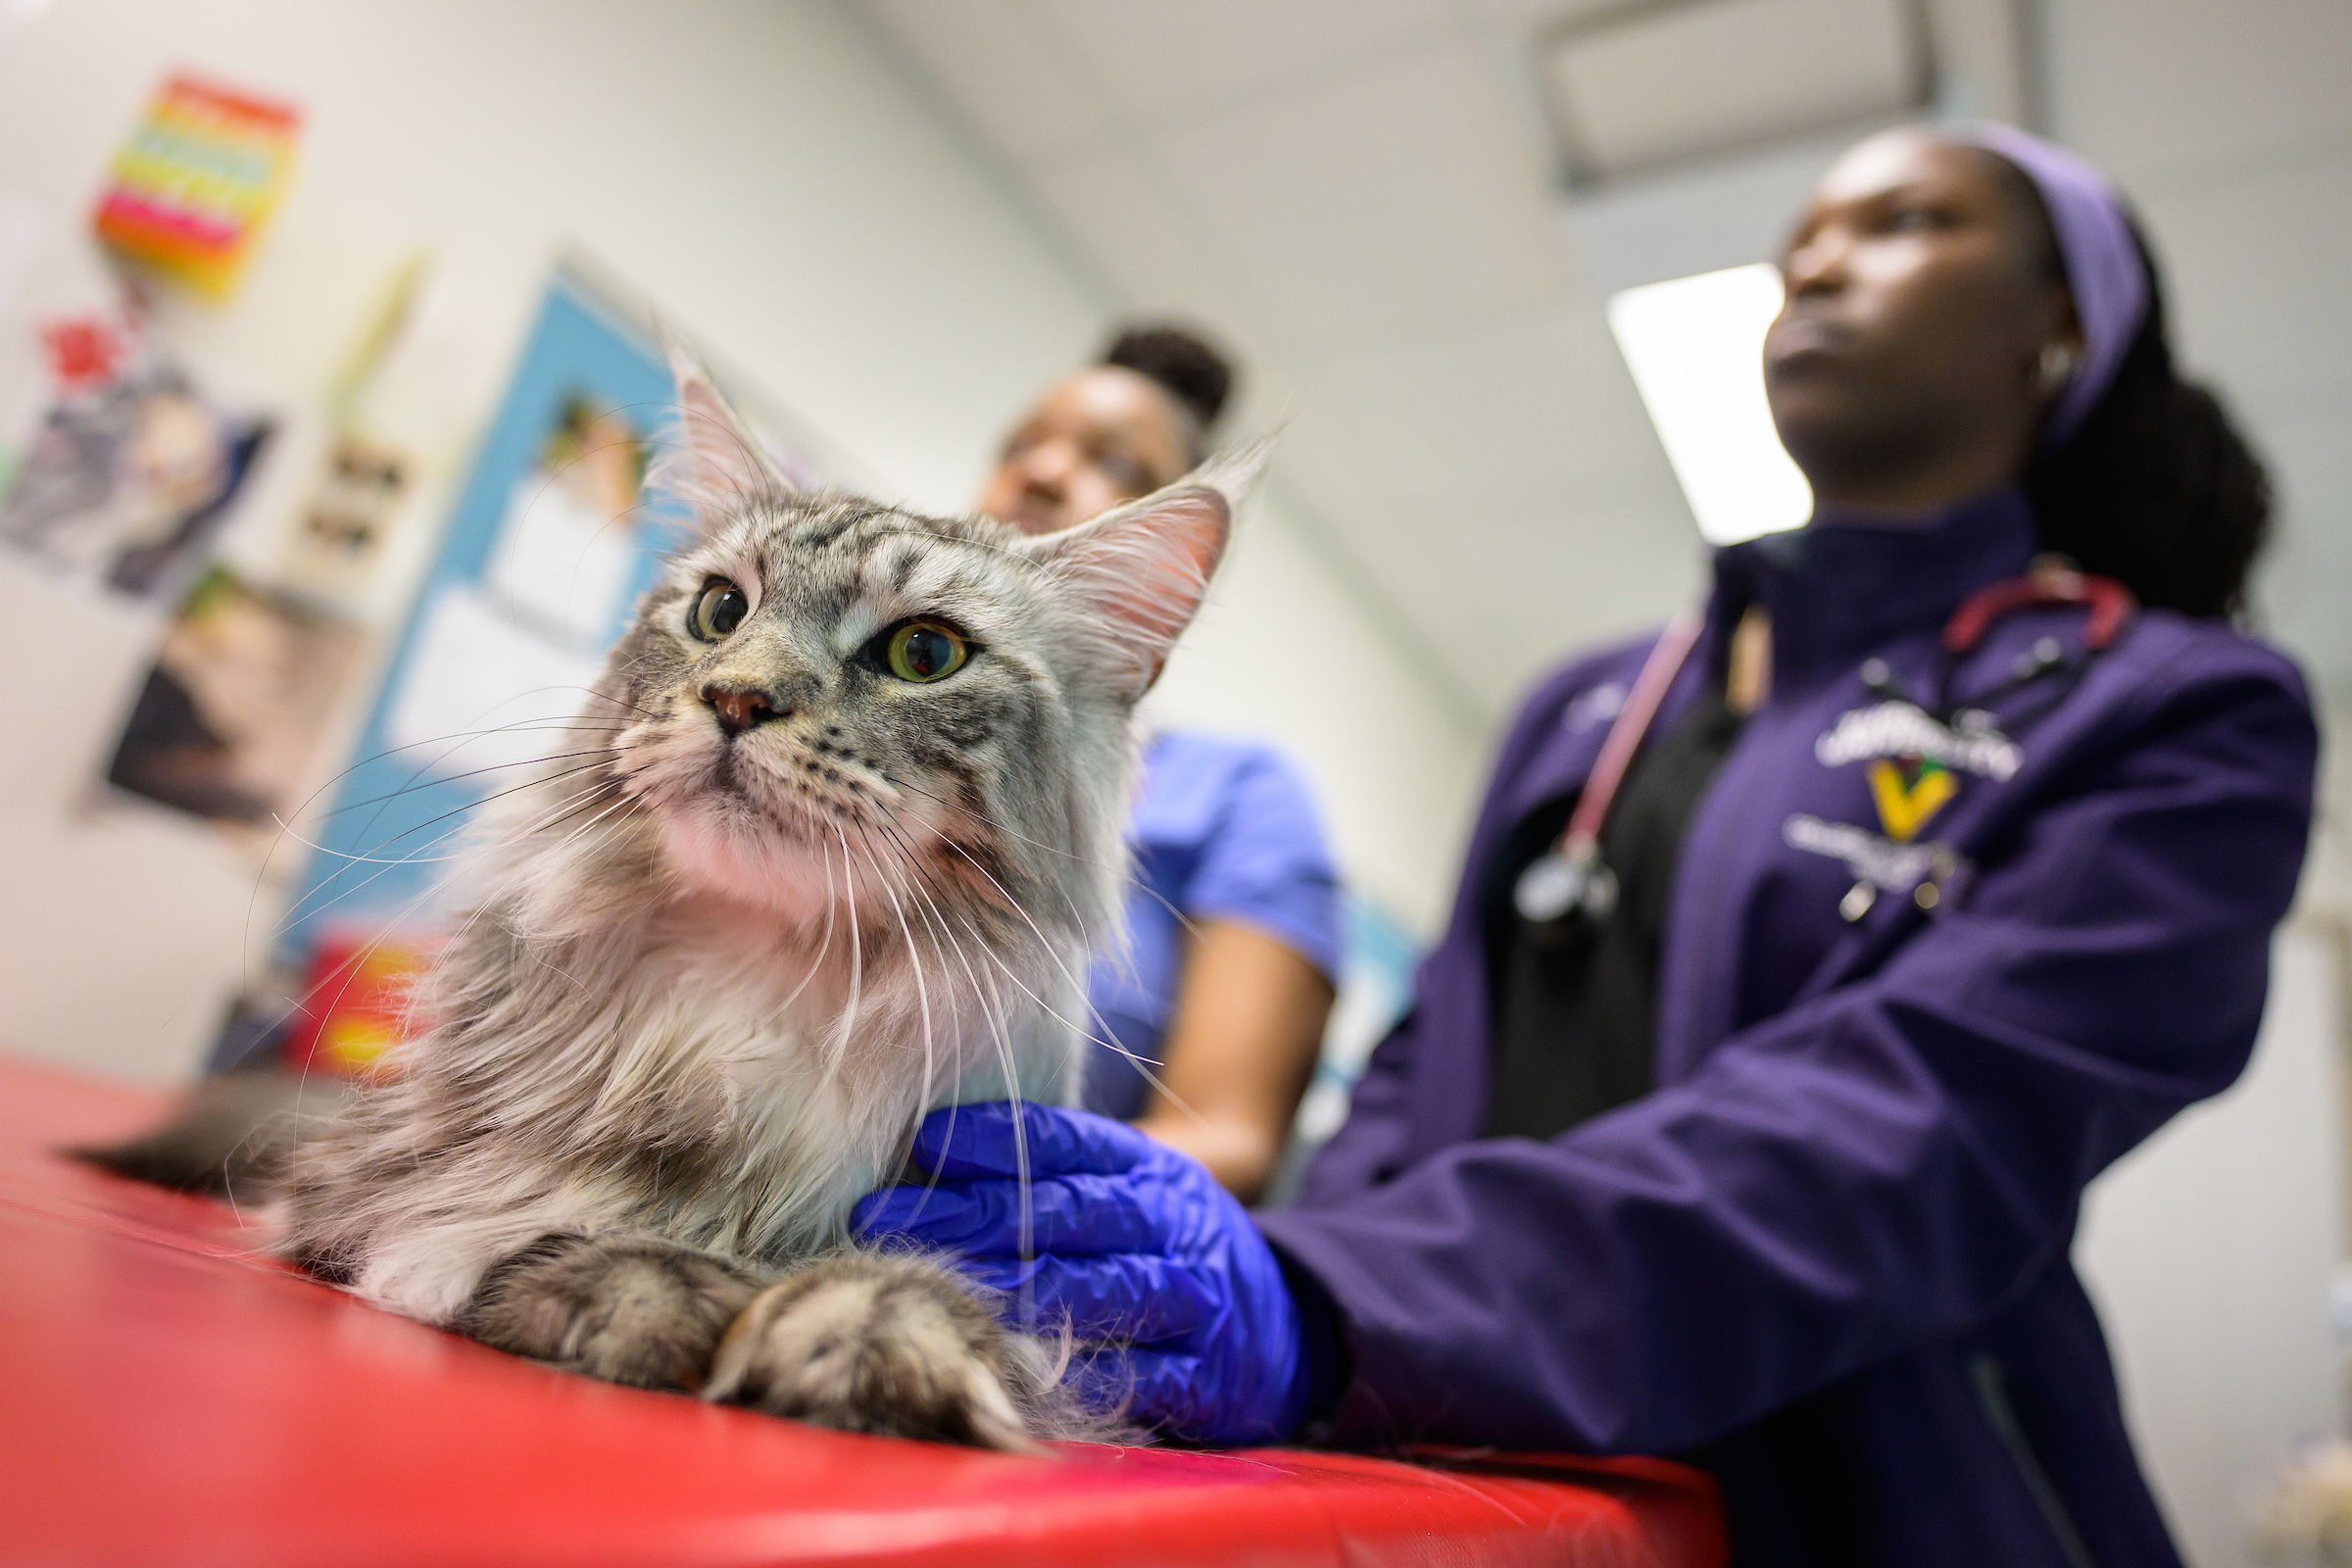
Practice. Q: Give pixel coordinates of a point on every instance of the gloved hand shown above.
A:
(1137, 1243)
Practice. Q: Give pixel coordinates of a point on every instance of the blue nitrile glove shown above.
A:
(1137, 1243)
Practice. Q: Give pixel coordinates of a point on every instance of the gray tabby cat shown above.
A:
(853, 832)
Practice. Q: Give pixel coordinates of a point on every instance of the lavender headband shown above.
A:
(2103, 268)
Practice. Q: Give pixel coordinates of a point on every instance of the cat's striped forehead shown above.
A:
(836, 557)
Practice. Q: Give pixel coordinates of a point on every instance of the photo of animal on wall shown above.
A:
(229, 720)
(132, 470)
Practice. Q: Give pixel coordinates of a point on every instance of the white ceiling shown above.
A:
(1673, 82)
(1363, 197)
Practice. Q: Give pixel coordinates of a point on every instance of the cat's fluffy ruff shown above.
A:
(705, 988)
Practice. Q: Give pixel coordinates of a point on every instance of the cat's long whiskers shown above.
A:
(455, 737)
(1122, 956)
(305, 904)
(416, 860)
(621, 798)
(630, 806)
(431, 892)
(914, 956)
(920, 892)
(475, 806)
(457, 778)
(1025, 1235)
(1000, 1038)
(622, 804)
(1126, 877)
(849, 1017)
(1109, 1039)
(984, 994)
(261, 873)
(1075, 983)
(414, 857)
(433, 762)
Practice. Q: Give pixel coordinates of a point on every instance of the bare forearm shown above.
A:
(1241, 1155)
(1248, 1025)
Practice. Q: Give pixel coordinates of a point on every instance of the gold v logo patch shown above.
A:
(1905, 803)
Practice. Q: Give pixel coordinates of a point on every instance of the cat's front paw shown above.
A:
(890, 1346)
(624, 1308)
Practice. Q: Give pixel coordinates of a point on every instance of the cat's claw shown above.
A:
(890, 1346)
(628, 1309)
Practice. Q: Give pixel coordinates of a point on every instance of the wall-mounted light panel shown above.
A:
(1695, 347)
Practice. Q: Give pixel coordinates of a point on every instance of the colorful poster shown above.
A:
(189, 192)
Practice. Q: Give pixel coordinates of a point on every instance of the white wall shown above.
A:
(2210, 1251)
(771, 181)
(1284, 650)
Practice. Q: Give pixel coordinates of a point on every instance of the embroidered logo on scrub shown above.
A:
(1876, 861)
(1969, 744)
(1915, 760)
(1907, 791)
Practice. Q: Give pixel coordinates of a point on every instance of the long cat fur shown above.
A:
(706, 986)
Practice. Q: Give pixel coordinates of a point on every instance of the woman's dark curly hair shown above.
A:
(2157, 488)
(1192, 369)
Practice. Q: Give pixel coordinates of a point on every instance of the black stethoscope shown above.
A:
(1571, 877)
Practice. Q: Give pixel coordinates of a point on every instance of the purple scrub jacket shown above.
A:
(1853, 1190)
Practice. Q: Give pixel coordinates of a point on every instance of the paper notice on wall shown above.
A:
(484, 695)
(562, 560)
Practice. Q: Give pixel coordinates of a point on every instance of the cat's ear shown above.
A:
(714, 462)
(1142, 569)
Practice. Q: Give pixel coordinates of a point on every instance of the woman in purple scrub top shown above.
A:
(1750, 1123)
(1233, 920)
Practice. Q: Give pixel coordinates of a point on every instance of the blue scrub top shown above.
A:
(1222, 829)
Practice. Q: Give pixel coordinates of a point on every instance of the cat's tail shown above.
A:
(232, 1136)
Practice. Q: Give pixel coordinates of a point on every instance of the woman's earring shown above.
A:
(2056, 367)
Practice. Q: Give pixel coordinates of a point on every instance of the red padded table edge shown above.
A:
(168, 1397)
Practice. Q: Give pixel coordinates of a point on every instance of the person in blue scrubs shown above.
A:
(1946, 875)
(1213, 1014)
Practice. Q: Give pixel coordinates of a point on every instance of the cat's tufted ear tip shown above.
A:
(1234, 474)
(715, 463)
(685, 369)
(1142, 569)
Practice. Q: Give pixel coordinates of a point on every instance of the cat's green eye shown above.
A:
(719, 610)
(926, 651)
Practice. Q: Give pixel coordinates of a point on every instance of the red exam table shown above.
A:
(168, 1397)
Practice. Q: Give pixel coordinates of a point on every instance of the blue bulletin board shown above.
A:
(539, 569)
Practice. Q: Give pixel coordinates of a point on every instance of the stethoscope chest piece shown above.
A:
(1565, 880)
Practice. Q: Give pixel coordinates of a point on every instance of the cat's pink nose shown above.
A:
(739, 708)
